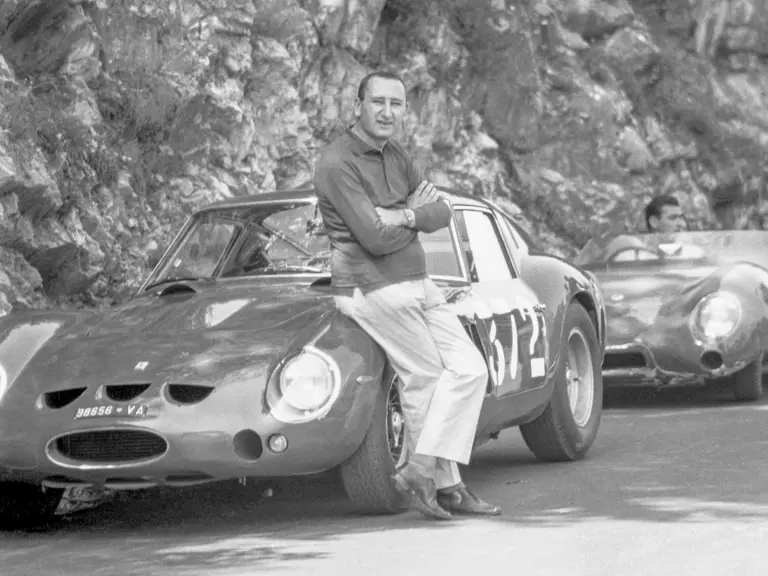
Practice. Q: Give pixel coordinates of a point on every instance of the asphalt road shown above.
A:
(675, 485)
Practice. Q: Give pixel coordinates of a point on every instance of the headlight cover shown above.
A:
(308, 385)
(716, 316)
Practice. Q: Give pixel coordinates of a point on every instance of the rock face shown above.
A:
(120, 119)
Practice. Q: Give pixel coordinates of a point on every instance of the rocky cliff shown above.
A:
(119, 120)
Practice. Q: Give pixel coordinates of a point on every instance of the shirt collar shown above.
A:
(360, 146)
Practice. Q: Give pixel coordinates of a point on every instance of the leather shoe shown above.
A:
(422, 492)
(462, 501)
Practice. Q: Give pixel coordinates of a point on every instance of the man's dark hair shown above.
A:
(656, 206)
(363, 86)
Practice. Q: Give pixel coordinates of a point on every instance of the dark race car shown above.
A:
(684, 308)
(231, 361)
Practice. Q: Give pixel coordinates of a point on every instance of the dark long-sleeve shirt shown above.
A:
(351, 180)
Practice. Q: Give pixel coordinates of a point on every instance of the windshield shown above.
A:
(706, 248)
(245, 241)
(273, 239)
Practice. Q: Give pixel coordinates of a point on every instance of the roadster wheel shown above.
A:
(367, 474)
(24, 506)
(568, 426)
(748, 382)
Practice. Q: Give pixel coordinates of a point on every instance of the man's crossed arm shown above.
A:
(377, 230)
(431, 212)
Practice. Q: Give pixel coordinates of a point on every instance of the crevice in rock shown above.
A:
(62, 269)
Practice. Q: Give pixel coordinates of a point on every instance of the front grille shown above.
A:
(125, 392)
(61, 398)
(618, 360)
(111, 446)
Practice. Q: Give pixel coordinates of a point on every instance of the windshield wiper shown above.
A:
(180, 279)
(295, 268)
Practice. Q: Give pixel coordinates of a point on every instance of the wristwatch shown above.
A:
(410, 218)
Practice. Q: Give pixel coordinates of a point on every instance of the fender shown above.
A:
(362, 365)
(22, 336)
(572, 283)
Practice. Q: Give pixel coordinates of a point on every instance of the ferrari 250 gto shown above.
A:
(231, 361)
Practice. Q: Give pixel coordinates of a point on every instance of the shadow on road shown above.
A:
(682, 456)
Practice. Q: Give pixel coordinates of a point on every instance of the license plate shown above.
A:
(108, 411)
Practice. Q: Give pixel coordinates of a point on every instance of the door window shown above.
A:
(483, 246)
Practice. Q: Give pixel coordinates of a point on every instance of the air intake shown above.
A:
(124, 392)
(61, 398)
(110, 446)
(188, 393)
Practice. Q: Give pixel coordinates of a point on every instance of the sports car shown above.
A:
(231, 361)
(684, 308)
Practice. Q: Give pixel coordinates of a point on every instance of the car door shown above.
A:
(508, 319)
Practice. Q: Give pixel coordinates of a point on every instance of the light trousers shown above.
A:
(442, 374)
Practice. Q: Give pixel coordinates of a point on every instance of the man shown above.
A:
(664, 215)
(374, 204)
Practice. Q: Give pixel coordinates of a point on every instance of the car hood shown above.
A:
(254, 307)
(199, 336)
(635, 299)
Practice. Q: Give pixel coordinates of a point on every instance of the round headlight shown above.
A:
(307, 382)
(716, 316)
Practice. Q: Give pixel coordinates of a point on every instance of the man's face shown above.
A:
(671, 220)
(381, 111)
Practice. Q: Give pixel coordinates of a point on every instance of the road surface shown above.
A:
(675, 485)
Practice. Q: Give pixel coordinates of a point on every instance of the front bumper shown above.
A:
(637, 365)
(182, 446)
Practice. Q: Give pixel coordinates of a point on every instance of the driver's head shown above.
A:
(663, 214)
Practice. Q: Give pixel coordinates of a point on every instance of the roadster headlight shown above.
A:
(308, 385)
(716, 316)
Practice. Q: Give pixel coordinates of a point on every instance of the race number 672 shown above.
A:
(526, 334)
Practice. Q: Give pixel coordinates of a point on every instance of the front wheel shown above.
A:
(568, 426)
(366, 476)
(24, 506)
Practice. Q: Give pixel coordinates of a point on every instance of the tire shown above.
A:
(748, 382)
(366, 476)
(558, 434)
(25, 506)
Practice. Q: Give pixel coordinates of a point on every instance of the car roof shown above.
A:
(307, 194)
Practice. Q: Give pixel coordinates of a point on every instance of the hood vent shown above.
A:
(188, 393)
(174, 289)
(61, 398)
(125, 392)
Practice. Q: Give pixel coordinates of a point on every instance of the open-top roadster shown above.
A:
(232, 361)
(684, 308)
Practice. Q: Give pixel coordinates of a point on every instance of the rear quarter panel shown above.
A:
(557, 283)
